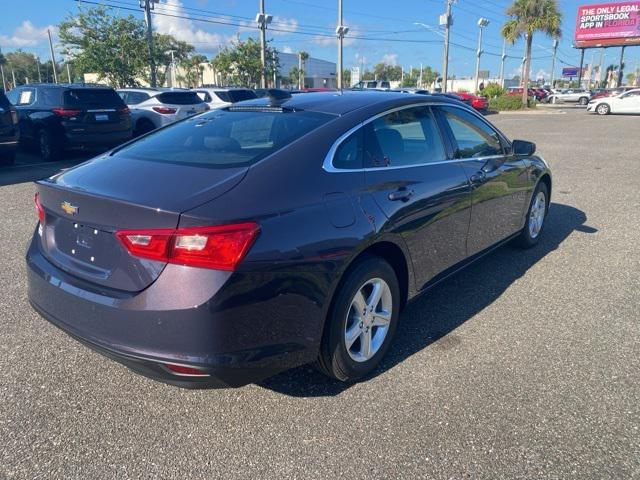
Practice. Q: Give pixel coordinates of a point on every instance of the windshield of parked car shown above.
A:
(224, 139)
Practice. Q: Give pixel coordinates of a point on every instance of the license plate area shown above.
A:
(102, 117)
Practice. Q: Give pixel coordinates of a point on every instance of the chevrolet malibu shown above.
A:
(277, 232)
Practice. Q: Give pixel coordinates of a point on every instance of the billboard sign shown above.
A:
(608, 24)
(570, 71)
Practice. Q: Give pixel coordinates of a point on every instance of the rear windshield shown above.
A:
(92, 97)
(224, 139)
(233, 96)
(179, 98)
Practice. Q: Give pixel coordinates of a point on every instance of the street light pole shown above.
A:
(502, 60)
(148, 6)
(341, 31)
(263, 20)
(553, 62)
(482, 22)
(447, 21)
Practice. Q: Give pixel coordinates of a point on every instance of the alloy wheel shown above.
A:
(537, 214)
(368, 319)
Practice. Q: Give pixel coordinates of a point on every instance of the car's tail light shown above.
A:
(124, 111)
(67, 112)
(220, 247)
(184, 370)
(39, 208)
(164, 110)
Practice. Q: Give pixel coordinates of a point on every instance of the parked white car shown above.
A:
(152, 108)
(627, 102)
(223, 97)
(571, 95)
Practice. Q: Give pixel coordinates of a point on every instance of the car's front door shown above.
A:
(629, 102)
(423, 192)
(500, 182)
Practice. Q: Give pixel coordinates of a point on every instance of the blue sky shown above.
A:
(387, 27)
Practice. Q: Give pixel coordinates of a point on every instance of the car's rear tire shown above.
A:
(362, 321)
(603, 109)
(536, 216)
(583, 101)
(143, 126)
(49, 147)
(7, 158)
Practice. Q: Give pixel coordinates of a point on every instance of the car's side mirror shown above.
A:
(523, 148)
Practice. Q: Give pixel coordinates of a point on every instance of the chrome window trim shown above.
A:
(327, 164)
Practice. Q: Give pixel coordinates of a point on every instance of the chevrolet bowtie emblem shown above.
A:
(68, 208)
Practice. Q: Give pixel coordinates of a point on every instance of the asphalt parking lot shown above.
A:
(526, 365)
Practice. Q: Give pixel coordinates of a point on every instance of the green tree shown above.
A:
(346, 76)
(294, 76)
(526, 18)
(182, 54)
(25, 67)
(240, 64)
(112, 47)
(192, 70)
(385, 71)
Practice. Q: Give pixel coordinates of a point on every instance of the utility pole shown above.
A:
(447, 21)
(553, 61)
(482, 22)
(68, 73)
(53, 59)
(4, 82)
(341, 31)
(300, 73)
(262, 19)
(420, 81)
(148, 6)
(173, 68)
(502, 60)
(581, 67)
(524, 60)
(13, 75)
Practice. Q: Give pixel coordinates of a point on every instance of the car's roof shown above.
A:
(66, 85)
(337, 103)
(220, 89)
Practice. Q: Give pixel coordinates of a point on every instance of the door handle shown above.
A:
(403, 194)
(478, 177)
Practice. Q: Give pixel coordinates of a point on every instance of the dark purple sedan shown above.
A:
(276, 232)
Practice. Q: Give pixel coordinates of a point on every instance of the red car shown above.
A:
(477, 102)
(611, 92)
(517, 92)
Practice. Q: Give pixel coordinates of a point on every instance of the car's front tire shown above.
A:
(536, 216)
(361, 322)
(603, 109)
(583, 101)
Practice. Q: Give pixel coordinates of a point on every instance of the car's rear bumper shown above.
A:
(248, 330)
(94, 140)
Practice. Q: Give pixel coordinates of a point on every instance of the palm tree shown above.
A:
(303, 57)
(526, 18)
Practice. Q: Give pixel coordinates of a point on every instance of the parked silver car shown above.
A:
(571, 95)
(152, 108)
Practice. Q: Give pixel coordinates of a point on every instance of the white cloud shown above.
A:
(390, 58)
(542, 73)
(279, 26)
(186, 30)
(287, 49)
(27, 35)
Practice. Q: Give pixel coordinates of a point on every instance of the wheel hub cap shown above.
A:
(368, 320)
(537, 214)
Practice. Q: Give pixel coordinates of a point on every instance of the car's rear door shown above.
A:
(499, 181)
(423, 192)
(629, 102)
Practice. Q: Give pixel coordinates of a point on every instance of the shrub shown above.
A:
(509, 102)
(492, 90)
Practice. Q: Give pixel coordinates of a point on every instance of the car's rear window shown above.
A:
(179, 98)
(224, 139)
(92, 97)
(240, 95)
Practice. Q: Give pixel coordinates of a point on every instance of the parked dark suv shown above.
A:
(9, 131)
(55, 117)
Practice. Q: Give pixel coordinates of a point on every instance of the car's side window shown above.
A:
(134, 98)
(348, 155)
(13, 95)
(403, 138)
(474, 138)
(27, 96)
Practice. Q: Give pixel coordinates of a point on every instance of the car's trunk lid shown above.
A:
(86, 205)
(94, 111)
